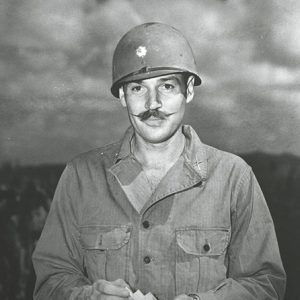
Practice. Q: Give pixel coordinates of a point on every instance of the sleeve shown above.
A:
(58, 257)
(255, 270)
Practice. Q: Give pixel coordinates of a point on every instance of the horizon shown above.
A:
(16, 164)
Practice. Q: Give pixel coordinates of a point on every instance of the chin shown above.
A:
(157, 135)
(156, 140)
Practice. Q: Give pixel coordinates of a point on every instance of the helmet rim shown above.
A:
(147, 73)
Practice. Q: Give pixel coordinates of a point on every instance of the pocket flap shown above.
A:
(104, 237)
(203, 242)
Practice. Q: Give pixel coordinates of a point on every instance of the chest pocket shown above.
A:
(106, 249)
(200, 258)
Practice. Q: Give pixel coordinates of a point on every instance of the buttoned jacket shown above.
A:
(205, 230)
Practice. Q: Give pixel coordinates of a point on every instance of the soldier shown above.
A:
(159, 211)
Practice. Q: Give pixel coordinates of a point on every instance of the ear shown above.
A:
(190, 89)
(122, 96)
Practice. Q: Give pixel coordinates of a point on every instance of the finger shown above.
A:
(109, 288)
(110, 297)
(120, 282)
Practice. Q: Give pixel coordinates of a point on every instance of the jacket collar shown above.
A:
(189, 170)
(125, 149)
(194, 152)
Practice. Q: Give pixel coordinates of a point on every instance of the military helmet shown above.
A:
(151, 50)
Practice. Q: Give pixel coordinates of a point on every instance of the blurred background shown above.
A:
(55, 102)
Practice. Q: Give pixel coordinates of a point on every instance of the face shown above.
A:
(156, 105)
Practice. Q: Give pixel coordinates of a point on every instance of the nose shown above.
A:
(153, 101)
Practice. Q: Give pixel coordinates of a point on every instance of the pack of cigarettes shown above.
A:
(138, 295)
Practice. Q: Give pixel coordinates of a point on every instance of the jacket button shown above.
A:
(146, 224)
(147, 259)
(206, 247)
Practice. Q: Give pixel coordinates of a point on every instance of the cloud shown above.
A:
(274, 26)
(248, 121)
(44, 24)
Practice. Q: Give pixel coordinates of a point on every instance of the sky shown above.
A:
(55, 73)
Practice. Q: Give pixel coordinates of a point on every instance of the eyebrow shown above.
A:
(172, 77)
(164, 79)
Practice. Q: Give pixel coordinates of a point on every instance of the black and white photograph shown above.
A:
(149, 150)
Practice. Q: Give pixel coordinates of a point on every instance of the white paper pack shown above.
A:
(138, 295)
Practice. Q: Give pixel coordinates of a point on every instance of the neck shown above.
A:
(158, 155)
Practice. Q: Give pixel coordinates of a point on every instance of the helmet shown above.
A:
(150, 50)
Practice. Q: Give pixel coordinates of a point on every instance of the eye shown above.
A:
(136, 88)
(168, 86)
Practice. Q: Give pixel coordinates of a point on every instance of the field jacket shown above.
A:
(205, 230)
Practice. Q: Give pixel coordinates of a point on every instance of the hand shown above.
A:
(109, 290)
(183, 297)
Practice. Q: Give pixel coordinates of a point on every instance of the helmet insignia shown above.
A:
(141, 51)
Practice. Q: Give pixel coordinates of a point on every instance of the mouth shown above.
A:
(154, 121)
(154, 118)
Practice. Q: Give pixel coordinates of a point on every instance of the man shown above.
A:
(159, 211)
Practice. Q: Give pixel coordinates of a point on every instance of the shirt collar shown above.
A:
(194, 151)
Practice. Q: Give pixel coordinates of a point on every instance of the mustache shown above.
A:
(152, 113)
